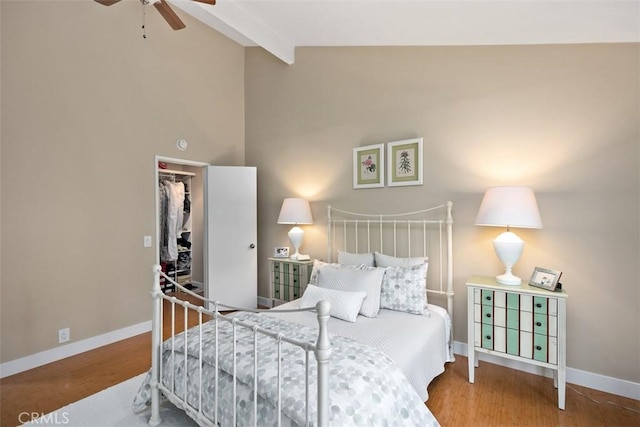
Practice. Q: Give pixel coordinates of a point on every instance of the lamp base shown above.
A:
(300, 257)
(508, 247)
(508, 279)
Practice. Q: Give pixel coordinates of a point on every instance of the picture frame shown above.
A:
(404, 162)
(368, 166)
(281, 252)
(545, 278)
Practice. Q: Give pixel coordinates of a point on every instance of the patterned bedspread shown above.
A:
(366, 387)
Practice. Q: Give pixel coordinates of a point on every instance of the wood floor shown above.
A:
(499, 397)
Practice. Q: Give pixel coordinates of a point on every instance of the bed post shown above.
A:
(156, 343)
(450, 292)
(329, 234)
(323, 356)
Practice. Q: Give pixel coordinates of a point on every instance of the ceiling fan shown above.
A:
(163, 7)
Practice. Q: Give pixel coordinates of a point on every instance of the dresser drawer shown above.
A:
(540, 349)
(540, 323)
(487, 297)
(540, 305)
(487, 336)
(487, 314)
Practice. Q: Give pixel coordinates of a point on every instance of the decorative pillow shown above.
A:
(405, 289)
(344, 305)
(348, 258)
(317, 265)
(383, 260)
(367, 279)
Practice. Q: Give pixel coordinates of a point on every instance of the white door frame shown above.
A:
(175, 161)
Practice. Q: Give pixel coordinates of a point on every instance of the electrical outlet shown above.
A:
(147, 241)
(64, 335)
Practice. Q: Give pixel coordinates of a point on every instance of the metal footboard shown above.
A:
(180, 311)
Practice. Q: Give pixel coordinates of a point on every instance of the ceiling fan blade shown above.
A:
(211, 2)
(169, 15)
(107, 2)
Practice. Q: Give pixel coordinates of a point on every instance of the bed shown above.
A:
(370, 332)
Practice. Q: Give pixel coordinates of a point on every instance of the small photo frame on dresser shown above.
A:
(545, 278)
(281, 252)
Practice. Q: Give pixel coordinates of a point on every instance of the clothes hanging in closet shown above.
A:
(162, 196)
(175, 194)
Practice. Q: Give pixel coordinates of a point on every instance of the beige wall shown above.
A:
(86, 105)
(562, 119)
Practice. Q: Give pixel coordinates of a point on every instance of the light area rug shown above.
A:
(112, 407)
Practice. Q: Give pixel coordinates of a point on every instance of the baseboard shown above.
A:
(574, 376)
(33, 361)
(265, 302)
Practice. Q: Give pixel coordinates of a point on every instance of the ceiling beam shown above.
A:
(234, 22)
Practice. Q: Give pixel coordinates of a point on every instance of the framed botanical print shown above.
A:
(404, 162)
(368, 166)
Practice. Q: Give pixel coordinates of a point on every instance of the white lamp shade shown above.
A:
(509, 207)
(295, 211)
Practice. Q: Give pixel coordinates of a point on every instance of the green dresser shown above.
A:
(521, 323)
(288, 278)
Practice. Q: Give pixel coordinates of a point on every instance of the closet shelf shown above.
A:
(174, 172)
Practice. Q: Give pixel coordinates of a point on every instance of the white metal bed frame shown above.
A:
(365, 233)
(322, 348)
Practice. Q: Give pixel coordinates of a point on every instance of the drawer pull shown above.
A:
(488, 298)
(538, 348)
(488, 315)
(538, 324)
(538, 305)
(488, 337)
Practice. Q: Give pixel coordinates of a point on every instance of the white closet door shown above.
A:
(230, 235)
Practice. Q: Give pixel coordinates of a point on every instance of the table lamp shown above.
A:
(509, 206)
(296, 211)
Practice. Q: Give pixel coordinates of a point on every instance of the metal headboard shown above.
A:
(423, 233)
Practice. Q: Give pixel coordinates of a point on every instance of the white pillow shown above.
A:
(348, 258)
(383, 260)
(317, 265)
(405, 289)
(344, 305)
(367, 279)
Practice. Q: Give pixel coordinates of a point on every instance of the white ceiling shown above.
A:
(279, 26)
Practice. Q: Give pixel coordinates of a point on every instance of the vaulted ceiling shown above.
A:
(279, 26)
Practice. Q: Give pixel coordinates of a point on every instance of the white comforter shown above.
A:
(419, 345)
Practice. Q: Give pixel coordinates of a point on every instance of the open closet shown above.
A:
(180, 220)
